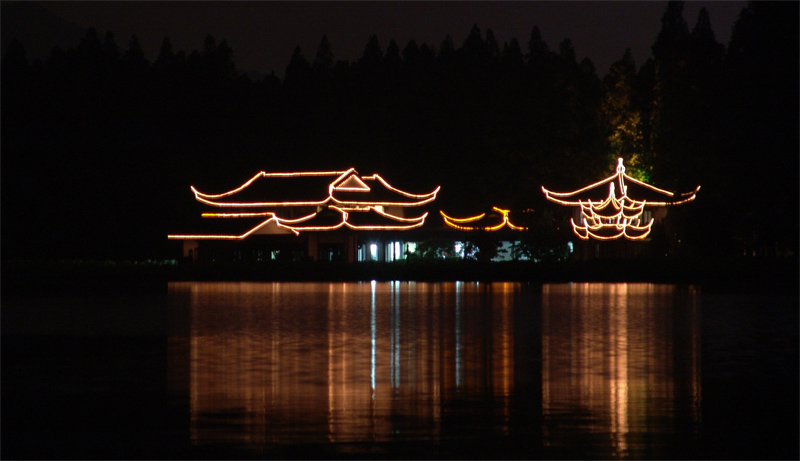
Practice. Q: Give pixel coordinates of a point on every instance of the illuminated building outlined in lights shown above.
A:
(620, 213)
(313, 203)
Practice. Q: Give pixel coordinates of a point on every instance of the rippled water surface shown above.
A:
(401, 370)
(466, 369)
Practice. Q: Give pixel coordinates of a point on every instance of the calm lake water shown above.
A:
(410, 370)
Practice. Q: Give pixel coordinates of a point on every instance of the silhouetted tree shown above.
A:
(166, 56)
(447, 47)
(298, 70)
(760, 128)
(670, 88)
(512, 54)
(323, 59)
(133, 60)
(372, 58)
(492, 47)
(110, 48)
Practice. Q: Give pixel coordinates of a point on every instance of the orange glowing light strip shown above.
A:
(298, 229)
(252, 215)
(204, 198)
(262, 204)
(394, 189)
(278, 221)
(419, 222)
(569, 194)
(462, 220)
(452, 222)
(228, 237)
(237, 215)
(395, 217)
(360, 186)
(416, 222)
(423, 198)
(587, 230)
(386, 204)
(620, 174)
(263, 174)
(289, 224)
(506, 221)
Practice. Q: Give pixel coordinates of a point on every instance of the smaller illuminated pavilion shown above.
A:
(615, 206)
(324, 215)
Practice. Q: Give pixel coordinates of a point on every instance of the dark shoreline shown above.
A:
(779, 276)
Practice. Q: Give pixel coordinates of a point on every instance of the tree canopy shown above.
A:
(100, 145)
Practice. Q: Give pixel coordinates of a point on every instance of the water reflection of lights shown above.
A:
(612, 355)
(350, 362)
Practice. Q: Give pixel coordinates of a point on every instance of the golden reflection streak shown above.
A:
(619, 371)
(608, 352)
(330, 374)
(256, 360)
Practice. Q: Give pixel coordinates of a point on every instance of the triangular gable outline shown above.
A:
(352, 184)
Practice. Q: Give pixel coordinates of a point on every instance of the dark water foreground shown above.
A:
(399, 370)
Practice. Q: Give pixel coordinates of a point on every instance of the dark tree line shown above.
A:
(99, 145)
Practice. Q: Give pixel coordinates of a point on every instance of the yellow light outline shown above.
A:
(462, 220)
(452, 222)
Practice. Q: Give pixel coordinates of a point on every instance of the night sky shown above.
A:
(263, 35)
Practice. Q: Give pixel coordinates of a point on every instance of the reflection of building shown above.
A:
(304, 363)
(624, 358)
(328, 215)
(618, 206)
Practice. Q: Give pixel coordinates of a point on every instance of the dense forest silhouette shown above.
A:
(100, 146)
